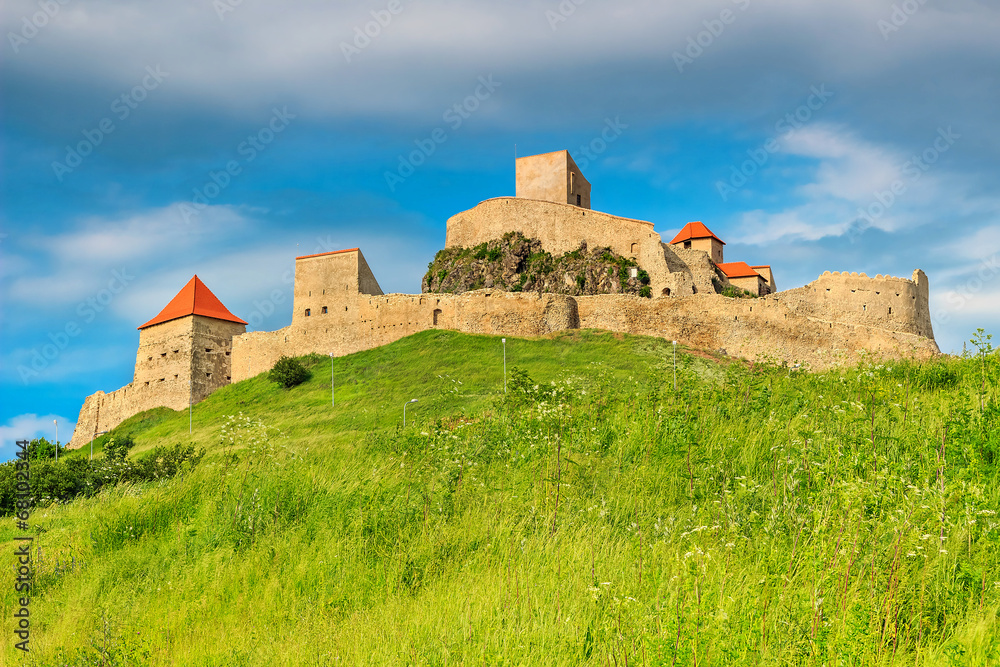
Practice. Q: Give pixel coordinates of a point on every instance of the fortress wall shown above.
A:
(561, 228)
(750, 328)
(256, 351)
(884, 302)
(103, 412)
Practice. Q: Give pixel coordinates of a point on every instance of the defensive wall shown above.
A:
(797, 326)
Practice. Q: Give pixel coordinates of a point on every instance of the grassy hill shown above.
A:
(589, 515)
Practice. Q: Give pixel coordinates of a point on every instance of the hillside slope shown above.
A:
(589, 515)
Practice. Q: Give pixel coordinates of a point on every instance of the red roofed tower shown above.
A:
(185, 351)
(696, 236)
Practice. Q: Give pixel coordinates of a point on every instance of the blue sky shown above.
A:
(144, 142)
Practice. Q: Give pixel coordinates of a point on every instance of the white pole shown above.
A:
(504, 341)
(333, 397)
(56, 422)
(190, 405)
(675, 365)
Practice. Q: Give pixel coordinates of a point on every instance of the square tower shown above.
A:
(552, 177)
(327, 286)
(185, 352)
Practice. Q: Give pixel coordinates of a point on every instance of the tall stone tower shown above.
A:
(552, 177)
(185, 351)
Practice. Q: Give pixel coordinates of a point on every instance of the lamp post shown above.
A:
(56, 422)
(675, 365)
(333, 397)
(504, 341)
(412, 400)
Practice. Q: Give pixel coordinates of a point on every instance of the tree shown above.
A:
(288, 372)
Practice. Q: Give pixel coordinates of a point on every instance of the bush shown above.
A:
(737, 293)
(117, 449)
(646, 291)
(288, 372)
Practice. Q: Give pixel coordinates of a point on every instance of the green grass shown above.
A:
(590, 515)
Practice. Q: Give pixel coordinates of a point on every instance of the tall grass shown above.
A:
(590, 515)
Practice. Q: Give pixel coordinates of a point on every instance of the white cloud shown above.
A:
(852, 176)
(29, 427)
(100, 254)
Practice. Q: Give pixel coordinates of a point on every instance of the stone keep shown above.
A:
(552, 177)
(185, 353)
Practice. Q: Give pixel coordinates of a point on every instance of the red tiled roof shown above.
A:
(321, 254)
(760, 266)
(695, 230)
(738, 270)
(194, 299)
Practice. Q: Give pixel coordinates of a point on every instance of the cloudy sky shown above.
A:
(144, 142)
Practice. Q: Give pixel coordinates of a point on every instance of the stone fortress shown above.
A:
(195, 345)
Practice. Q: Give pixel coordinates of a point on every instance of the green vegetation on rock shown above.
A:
(515, 263)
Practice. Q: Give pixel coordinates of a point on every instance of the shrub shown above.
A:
(643, 276)
(288, 372)
(737, 293)
(646, 291)
(117, 448)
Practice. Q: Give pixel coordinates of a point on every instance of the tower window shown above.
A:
(308, 312)
(208, 349)
(579, 200)
(437, 314)
(687, 245)
(163, 354)
(324, 311)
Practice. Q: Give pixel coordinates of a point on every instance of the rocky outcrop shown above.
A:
(514, 263)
